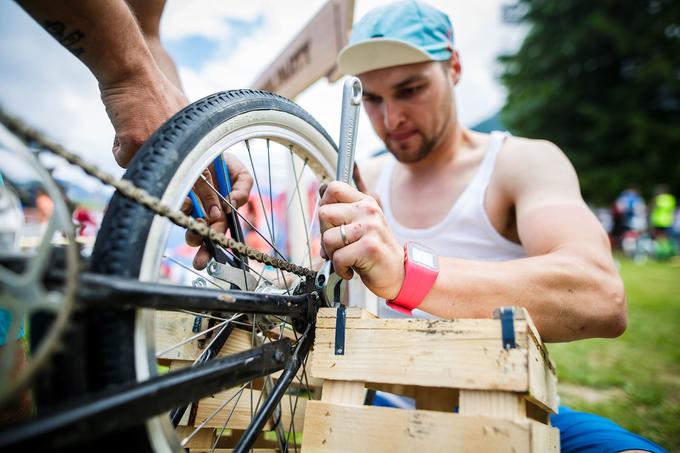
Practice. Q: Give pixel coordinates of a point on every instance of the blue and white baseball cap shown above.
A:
(400, 33)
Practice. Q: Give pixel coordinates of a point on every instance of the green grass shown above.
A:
(634, 379)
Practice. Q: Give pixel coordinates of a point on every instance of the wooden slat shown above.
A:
(337, 428)
(242, 414)
(343, 392)
(173, 327)
(462, 353)
(492, 403)
(445, 354)
(203, 439)
(544, 438)
(263, 442)
(542, 376)
(350, 313)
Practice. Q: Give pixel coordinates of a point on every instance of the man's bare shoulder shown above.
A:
(370, 169)
(525, 163)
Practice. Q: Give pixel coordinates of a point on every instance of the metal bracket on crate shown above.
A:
(507, 317)
(340, 321)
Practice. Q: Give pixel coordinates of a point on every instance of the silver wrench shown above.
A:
(349, 121)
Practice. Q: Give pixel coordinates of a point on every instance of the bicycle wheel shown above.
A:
(31, 240)
(289, 155)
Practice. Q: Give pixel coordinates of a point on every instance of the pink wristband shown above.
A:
(418, 281)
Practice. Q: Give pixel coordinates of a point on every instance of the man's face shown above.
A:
(411, 107)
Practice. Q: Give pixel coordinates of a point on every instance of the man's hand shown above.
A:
(136, 108)
(370, 249)
(214, 207)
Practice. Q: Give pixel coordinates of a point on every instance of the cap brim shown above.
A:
(379, 53)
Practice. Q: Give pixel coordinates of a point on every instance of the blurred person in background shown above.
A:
(85, 221)
(44, 205)
(631, 227)
(662, 212)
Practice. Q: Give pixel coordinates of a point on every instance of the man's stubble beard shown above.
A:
(425, 148)
(421, 153)
(428, 144)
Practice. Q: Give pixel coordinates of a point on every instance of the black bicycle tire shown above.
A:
(119, 246)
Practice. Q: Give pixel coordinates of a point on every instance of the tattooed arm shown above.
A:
(105, 36)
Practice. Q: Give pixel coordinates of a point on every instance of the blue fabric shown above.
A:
(580, 432)
(589, 433)
(5, 323)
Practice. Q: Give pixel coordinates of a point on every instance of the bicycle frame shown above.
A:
(130, 404)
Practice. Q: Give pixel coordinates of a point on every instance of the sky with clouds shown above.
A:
(221, 45)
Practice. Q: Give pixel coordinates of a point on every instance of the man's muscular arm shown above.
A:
(104, 35)
(568, 283)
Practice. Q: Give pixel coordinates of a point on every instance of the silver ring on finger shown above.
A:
(343, 235)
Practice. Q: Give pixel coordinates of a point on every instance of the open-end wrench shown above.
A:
(326, 279)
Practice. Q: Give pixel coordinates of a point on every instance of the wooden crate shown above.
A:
(504, 395)
(171, 329)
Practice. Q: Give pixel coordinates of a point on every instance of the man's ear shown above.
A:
(454, 67)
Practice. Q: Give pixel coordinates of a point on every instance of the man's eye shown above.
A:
(371, 98)
(410, 91)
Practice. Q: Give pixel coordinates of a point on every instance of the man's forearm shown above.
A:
(568, 297)
(103, 34)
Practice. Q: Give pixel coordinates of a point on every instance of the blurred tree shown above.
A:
(601, 79)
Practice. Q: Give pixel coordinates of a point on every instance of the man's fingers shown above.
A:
(205, 190)
(241, 180)
(192, 239)
(202, 258)
(322, 189)
(333, 215)
(333, 239)
(187, 206)
(344, 259)
(339, 192)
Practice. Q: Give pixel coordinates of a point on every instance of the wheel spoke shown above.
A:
(188, 438)
(271, 191)
(226, 421)
(254, 228)
(302, 206)
(194, 337)
(259, 192)
(311, 224)
(193, 271)
(270, 224)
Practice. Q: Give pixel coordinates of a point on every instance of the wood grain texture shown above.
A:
(336, 428)
(241, 417)
(458, 354)
(343, 392)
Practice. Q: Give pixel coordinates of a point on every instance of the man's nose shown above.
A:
(392, 114)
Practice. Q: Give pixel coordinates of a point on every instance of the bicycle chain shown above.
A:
(154, 204)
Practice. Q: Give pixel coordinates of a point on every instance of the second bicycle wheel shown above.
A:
(288, 155)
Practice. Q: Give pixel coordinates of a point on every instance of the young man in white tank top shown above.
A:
(503, 215)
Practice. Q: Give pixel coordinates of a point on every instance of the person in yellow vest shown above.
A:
(661, 218)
